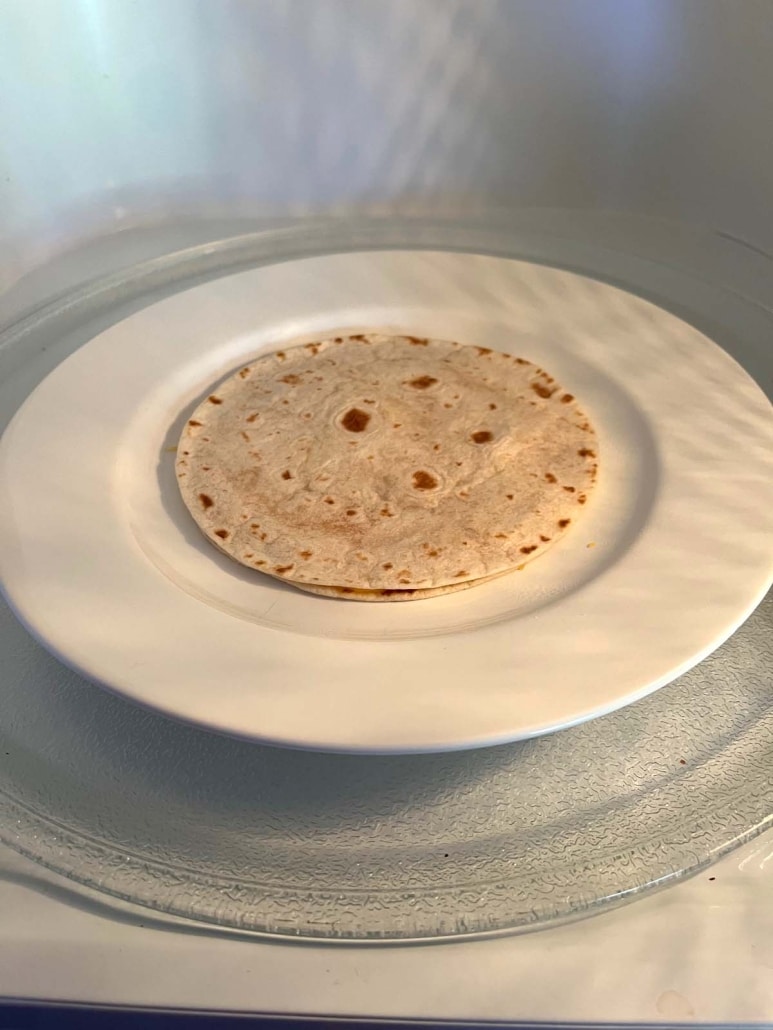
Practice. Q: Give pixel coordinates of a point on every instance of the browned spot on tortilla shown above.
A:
(436, 447)
(387, 565)
(368, 402)
(423, 480)
(222, 533)
(387, 513)
(186, 453)
(193, 422)
(244, 436)
(482, 436)
(306, 554)
(355, 420)
(351, 511)
(403, 580)
(244, 373)
(287, 474)
(252, 417)
(492, 407)
(357, 336)
(500, 536)
(291, 378)
(550, 477)
(448, 405)
(206, 501)
(586, 452)
(462, 572)
(261, 562)
(433, 553)
(528, 550)
(214, 400)
(542, 391)
(544, 539)
(263, 536)
(281, 355)
(569, 489)
(329, 500)
(205, 468)
(283, 568)
(483, 350)
(422, 382)
(510, 497)
(563, 523)
(313, 347)
(418, 341)
(582, 499)
(567, 398)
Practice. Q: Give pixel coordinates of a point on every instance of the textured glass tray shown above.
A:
(326, 846)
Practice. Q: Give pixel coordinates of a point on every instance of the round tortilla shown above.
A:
(386, 462)
(419, 594)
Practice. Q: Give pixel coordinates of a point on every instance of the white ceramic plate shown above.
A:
(101, 560)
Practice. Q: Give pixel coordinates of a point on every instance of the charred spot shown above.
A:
(252, 417)
(305, 554)
(355, 420)
(521, 361)
(544, 539)
(542, 391)
(396, 425)
(436, 447)
(387, 513)
(492, 407)
(403, 580)
(582, 499)
(500, 536)
(586, 452)
(387, 565)
(244, 436)
(205, 468)
(422, 382)
(222, 533)
(347, 590)
(563, 523)
(357, 336)
(351, 511)
(448, 405)
(567, 398)
(528, 550)
(206, 501)
(418, 341)
(291, 379)
(283, 568)
(460, 573)
(366, 401)
(244, 373)
(483, 350)
(433, 553)
(260, 562)
(287, 474)
(482, 436)
(281, 355)
(423, 480)
(569, 489)
(550, 477)
(313, 347)
(510, 496)
(329, 500)
(214, 400)
(193, 422)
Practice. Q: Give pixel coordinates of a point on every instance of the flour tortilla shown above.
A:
(386, 462)
(352, 594)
